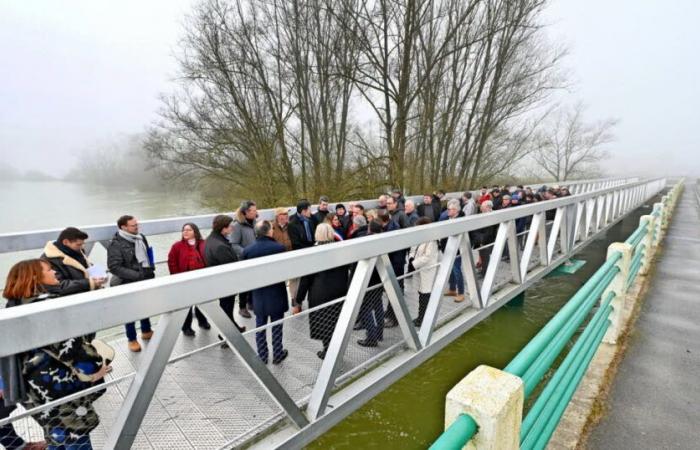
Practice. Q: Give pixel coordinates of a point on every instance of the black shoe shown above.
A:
(224, 344)
(244, 313)
(367, 343)
(205, 326)
(417, 322)
(188, 332)
(322, 353)
(280, 358)
(390, 323)
(358, 326)
(264, 360)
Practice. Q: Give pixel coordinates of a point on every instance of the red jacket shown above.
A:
(184, 257)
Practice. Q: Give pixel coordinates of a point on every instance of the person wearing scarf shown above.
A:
(128, 261)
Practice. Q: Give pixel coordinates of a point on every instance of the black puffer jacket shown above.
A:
(218, 250)
(122, 262)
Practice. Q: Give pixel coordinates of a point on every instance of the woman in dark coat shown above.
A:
(185, 255)
(57, 370)
(324, 287)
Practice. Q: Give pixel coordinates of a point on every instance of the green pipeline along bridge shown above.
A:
(190, 393)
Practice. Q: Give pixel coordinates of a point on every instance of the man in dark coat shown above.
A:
(319, 216)
(301, 226)
(398, 221)
(130, 260)
(429, 208)
(269, 302)
(217, 251)
(70, 263)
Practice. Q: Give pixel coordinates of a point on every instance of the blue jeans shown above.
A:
(456, 277)
(83, 443)
(131, 328)
(261, 336)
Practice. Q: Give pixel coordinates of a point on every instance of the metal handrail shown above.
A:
(130, 302)
(456, 435)
(18, 241)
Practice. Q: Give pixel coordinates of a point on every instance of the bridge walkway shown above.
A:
(655, 396)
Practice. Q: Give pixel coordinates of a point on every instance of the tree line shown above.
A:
(278, 100)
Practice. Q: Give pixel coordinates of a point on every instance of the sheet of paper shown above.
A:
(97, 271)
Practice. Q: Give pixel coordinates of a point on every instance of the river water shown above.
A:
(408, 415)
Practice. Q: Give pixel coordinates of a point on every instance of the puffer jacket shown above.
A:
(122, 262)
(243, 234)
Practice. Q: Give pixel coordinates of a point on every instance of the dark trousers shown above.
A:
(423, 300)
(485, 254)
(228, 304)
(399, 271)
(261, 336)
(201, 318)
(245, 300)
(372, 315)
(131, 328)
(8, 437)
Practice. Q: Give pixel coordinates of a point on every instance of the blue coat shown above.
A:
(270, 300)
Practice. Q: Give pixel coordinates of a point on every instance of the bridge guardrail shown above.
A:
(607, 289)
(577, 219)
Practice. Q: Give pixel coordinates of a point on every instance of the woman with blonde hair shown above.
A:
(324, 287)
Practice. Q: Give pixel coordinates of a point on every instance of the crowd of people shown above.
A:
(64, 368)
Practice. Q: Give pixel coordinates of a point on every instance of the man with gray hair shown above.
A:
(411, 213)
(269, 302)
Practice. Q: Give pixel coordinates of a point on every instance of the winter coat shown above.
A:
(269, 300)
(424, 255)
(49, 374)
(122, 262)
(318, 217)
(281, 235)
(436, 209)
(243, 234)
(399, 218)
(297, 233)
(412, 218)
(322, 288)
(184, 257)
(72, 275)
(444, 216)
(218, 250)
(484, 236)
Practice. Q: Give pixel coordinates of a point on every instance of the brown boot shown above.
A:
(134, 346)
(451, 293)
(146, 335)
(459, 298)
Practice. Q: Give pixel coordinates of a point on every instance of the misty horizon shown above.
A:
(76, 76)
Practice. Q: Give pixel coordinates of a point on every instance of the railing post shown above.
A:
(618, 286)
(649, 243)
(494, 399)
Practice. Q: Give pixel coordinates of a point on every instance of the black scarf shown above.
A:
(78, 256)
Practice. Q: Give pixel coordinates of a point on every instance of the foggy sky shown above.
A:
(76, 72)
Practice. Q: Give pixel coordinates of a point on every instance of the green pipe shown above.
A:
(524, 359)
(554, 420)
(536, 371)
(456, 435)
(637, 235)
(537, 409)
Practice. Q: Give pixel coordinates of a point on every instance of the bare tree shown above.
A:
(569, 147)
